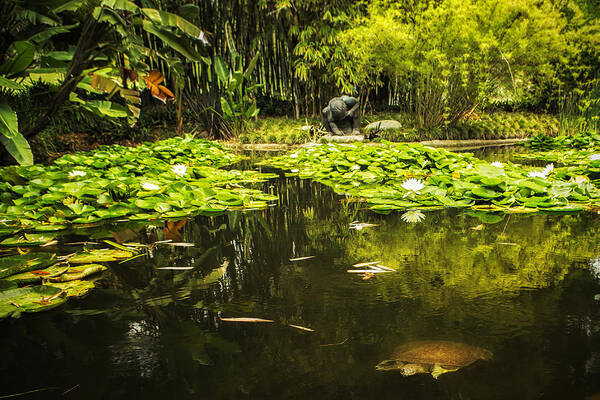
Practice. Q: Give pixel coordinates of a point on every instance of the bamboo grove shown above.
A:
(225, 61)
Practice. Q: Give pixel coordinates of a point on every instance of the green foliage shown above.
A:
(578, 141)
(238, 104)
(172, 178)
(105, 54)
(453, 56)
(407, 176)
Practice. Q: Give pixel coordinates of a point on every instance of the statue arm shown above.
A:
(353, 110)
(335, 129)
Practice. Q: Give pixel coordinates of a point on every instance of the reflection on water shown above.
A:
(522, 287)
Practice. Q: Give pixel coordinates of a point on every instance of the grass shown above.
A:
(487, 126)
(278, 130)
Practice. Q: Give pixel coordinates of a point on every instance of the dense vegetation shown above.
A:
(412, 176)
(172, 178)
(81, 66)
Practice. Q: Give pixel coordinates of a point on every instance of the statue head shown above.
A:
(338, 109)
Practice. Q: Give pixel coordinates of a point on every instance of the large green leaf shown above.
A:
(222, 71)
(189, 11)
(8, 84)
(43, 36)
(250, 68)
(125, 5)
(177, 43)
(8, 121)
(21, 53)
(18, 147)
(227, 112)
(163, 18)
(72, 5)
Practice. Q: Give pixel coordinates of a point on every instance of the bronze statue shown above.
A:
(342, 116)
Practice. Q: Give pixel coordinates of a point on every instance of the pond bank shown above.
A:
(452, 144)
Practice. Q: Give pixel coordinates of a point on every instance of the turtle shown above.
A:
(436, 357)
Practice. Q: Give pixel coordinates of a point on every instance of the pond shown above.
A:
(524, 287)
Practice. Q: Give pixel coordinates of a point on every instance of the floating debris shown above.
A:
(367, 276)
(246, 319)
(369, 269)
(507, 244)
(383, 267)
(301, 258)
(177, 268)
(360, 225)
(365, 271)
(180, 244)
(302, 328)
(366, 264)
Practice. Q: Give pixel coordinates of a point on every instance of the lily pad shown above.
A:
(28, 239)
(6, 284)
(76, 288)
(30, 277)
(79, 272)
(29, 299)
(100, 255)
(12, 265)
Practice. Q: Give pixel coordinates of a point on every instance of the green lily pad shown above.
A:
(76, 288)
(30, 277)
(29, 299)
(79, 272)
(24, 262)
(486, 193)
(100, 255)
(6, 284)
(28, 239)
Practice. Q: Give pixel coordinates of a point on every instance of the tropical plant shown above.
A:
(109, 58)
(237, 101)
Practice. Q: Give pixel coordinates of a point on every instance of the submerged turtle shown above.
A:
(432, 356)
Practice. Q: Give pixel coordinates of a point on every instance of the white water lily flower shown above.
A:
(294, 155)
(150, 186)
(355, 167)
(594, 157)
(412, 185)
(469, 166)
(179, 170)
(413, 216)
(75, 173)
(543, 173)
(497, 164)
(537, 174)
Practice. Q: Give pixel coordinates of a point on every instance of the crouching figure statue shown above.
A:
(342, 116)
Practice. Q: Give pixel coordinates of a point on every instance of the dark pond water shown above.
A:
(522, 287)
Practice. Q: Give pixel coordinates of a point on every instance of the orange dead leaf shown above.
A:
(153, 81)
(40, 272)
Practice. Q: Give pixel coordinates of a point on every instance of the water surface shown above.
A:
(521, 286)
